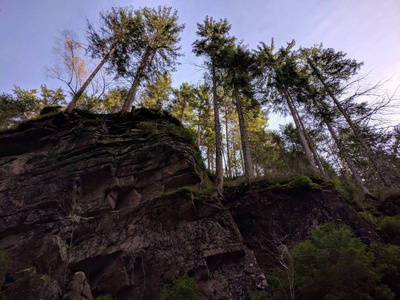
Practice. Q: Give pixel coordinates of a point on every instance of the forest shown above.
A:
(338, 131)
(338, 135)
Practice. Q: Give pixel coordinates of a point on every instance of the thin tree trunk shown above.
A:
(228, 154)
(219, 172)
(382, 175)
(248, 164)
(225, 164)
(183, 111)
(345, 155)
(347, 158)
(208, 158)
(234, 158)
(240, 152)
(79, 93)
(138, 78)
(301, 133)
(199, 131)
(312, 148)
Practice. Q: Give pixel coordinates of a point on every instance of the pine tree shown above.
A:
(119, 29)
(158, 49)
(214, 37)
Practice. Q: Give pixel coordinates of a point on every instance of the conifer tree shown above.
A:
(214, 36)
(333, 71)
(119, 28)
(157, 52)
(241, 68)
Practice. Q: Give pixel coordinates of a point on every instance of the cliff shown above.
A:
(94, 204)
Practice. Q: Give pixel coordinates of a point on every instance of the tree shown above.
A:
(157, 91)
(159, 36)
(24, 104)
(184, 102)
(241, 68)
(335, 265)
(71, 69)
(334, 71)
(119, 28)
(214, 37)
(284, 79)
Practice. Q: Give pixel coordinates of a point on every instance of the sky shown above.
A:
(367, 30)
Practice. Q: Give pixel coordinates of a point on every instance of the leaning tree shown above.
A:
(158, 51)
(116, 37)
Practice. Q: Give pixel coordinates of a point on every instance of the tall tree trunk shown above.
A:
(228, 154)
(79, 93)
(199, 131)
(183, 111)
(146, 60)
(347, 158)
(312, 148)
(248, 164)
(301, 133)
(234, 158)
(219, 172)
(345, 155)
(208, 158)
(240, 152)
(371, 156)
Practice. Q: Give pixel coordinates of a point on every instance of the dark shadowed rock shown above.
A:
(89, 195)
(27, 284)
(79, 288)
(391, 206)
(270, 218)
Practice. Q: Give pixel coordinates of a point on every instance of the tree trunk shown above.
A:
(183, 111)
(347, 158)
(345, 155)
(208, 158)
(248, 164)
(199, 131)
(382, 175)
(234, 158)
(240, 152)
(228, 154)
(219, 172)
(301, 133)
(146, 60)
(79, 93)
(312, 148)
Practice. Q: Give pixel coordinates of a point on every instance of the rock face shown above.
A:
(270, 218)
(89, 194)
(92, 204)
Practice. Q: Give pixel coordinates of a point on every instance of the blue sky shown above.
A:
(367, 30)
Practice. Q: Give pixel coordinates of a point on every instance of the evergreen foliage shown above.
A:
(183, 288)
(337, 265)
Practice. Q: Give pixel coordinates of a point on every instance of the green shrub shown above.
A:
(391, 225)
(300, 181)
(337, 265)
(183, 288)
(368, 217)
(181, 132)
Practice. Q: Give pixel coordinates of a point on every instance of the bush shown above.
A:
(337, 265)
(183, 288)
(300, 181)
(391, 225)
